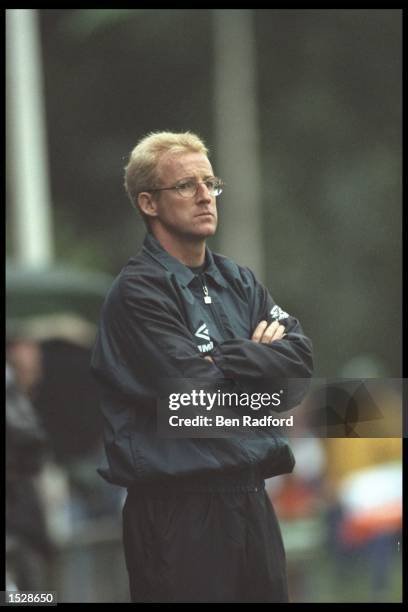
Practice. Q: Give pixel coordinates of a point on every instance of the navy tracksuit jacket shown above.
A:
(158, 321)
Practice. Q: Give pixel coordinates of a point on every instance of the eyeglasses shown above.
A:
(188, 188)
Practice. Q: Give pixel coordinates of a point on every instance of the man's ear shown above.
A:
(147, 204)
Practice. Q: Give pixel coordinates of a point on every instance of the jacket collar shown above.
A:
(183, 274)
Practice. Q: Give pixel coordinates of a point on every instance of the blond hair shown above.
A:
(141, 170)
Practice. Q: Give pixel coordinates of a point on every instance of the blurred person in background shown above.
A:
(29, 549)
(197, 523)
(363, 483)
(364, 490)
(53, 367)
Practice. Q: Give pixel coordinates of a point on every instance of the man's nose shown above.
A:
(203, 191)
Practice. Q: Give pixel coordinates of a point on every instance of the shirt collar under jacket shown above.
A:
(183, 274)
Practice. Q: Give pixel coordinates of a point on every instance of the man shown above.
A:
(198, 526)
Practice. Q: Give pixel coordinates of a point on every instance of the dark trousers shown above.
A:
(204, 547)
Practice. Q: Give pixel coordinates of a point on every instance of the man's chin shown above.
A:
(204, 234)
(205, 230)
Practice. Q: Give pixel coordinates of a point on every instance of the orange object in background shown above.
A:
(295, 499)
(367, 524)
(371, 501)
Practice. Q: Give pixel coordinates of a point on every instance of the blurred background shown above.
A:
(301, 111)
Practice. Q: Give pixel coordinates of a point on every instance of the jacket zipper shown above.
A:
(208, 300)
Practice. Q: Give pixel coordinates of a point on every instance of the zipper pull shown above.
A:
(207, 298)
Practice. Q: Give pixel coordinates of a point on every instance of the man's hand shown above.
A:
(265, 334)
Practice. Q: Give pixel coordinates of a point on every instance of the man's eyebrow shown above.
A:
(193, 178)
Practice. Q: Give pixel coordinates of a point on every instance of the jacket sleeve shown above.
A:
(289, 359)
(143, 345)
